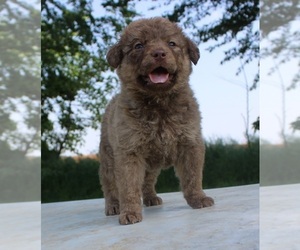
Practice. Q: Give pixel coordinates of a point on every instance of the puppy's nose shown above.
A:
(159, 54)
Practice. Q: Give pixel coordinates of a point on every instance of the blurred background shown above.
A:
(20, 101)
(279, 92)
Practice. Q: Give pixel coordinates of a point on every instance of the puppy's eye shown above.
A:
(138, 46)
(172, 44)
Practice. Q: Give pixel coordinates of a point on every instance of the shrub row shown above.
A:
(231, 164)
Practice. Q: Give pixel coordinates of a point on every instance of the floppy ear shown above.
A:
(193, 51)
(115, 55)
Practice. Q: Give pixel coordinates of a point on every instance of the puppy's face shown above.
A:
(153, 54)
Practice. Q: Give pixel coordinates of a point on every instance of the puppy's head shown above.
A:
(153, 54)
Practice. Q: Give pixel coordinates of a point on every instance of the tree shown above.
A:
(280, 29)
(296, 124)
(237, 26)
(19, 76)
(75, 78)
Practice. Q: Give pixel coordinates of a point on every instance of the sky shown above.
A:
(221, 95)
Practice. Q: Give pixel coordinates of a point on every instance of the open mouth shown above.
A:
(159, 75)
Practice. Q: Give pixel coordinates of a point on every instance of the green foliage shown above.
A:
(231, 164)
(167, 182)
(74, 86)
(227, 164)
(282, 35)
(20, 75)
(279, 31)
(296, 125)
(237, 25)
(279, 164)
(65, 179)
(255, 125)
(19, 38)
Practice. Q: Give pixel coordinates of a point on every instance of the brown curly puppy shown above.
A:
(153, 123)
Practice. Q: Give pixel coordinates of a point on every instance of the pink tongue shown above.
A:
(158, 77)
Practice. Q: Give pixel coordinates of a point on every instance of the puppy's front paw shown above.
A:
(126, 218)
(200, 202)
(207, 201)
(152, 201)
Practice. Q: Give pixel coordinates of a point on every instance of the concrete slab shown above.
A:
(233, 223)
(20, 226)
(280, 217)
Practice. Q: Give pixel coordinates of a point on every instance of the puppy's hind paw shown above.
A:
(152, 201)
(112, 209)
(126, 218)
(200, 202)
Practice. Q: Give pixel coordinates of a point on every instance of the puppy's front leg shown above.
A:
(129, 172)
(189, 169)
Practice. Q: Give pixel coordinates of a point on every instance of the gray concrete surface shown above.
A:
(20, 226)
(233, 223)
(280, 217)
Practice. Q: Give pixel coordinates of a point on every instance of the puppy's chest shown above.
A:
(162, 132)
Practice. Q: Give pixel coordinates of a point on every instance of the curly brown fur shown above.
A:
(153, 123)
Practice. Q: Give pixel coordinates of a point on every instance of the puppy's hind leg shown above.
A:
(149, 194)
(108, 181)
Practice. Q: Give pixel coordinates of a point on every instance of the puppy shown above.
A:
(153, 123)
